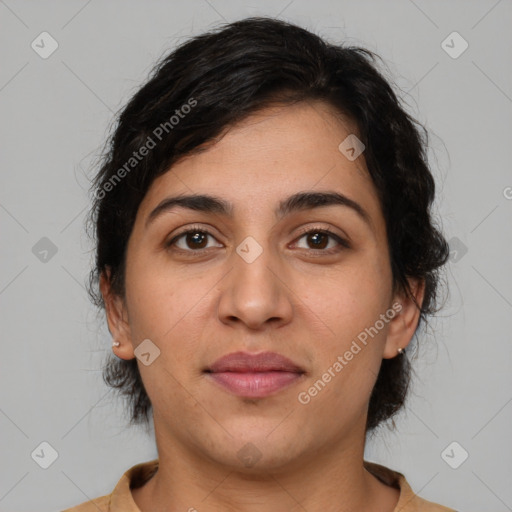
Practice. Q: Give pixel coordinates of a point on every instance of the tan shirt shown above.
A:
(120, 500)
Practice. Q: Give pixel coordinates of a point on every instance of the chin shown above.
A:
(257, 446)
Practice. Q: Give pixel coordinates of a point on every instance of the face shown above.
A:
(303, 280)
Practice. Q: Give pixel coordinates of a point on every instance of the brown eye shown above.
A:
(193, 240)
(319, 239)
(196, 240)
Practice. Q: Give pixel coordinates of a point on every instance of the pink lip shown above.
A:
(254, 375)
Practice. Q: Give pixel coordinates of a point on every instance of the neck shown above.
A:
(333, 480)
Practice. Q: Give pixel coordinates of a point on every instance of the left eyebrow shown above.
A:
(297, 202)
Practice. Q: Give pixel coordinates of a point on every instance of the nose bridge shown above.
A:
(253, 292)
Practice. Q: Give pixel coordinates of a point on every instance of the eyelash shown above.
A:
(324, 231)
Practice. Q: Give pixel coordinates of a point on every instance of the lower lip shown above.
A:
(255, 385)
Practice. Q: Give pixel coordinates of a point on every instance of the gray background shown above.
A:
(55, 114)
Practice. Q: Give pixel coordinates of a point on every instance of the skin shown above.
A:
(293, 299)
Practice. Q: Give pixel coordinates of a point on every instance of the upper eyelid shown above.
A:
(328, 231)
(303, 231)
(194, 229)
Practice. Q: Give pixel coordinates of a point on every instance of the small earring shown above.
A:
(116, 344)
(401, 351)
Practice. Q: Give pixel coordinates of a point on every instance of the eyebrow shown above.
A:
(297, 202)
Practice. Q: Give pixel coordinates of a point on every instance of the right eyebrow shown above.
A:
(196, 202)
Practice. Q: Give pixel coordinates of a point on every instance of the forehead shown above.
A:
(283, 136)
(267, 157)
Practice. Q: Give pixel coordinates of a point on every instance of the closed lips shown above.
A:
(254, 375)
(244, 362)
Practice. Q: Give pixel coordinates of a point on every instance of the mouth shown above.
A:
(254, 375)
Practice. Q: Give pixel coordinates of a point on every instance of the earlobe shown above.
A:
(117, 318)
(403, 325)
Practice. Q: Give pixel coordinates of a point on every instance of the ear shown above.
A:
(404, 323)
(117, 317)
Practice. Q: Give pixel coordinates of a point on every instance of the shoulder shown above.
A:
(408, 501)
(121, 499)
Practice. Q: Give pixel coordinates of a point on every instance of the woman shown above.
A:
(265, 253)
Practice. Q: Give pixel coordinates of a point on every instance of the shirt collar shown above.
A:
(121, 499)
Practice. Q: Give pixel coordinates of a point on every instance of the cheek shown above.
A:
(347, 355)
(156, 297)
(348, 352)
(165, 310)
(166, 307)
(351, 299)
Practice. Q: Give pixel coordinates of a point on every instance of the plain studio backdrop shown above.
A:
(68, 66)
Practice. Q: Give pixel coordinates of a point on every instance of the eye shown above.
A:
(323, 240)
(196, 239)
(192, 240)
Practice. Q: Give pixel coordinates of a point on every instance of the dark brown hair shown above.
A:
(217, 79)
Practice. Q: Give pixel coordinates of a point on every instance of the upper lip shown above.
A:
(246, 362)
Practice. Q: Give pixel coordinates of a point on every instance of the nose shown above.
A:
(255, 293)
